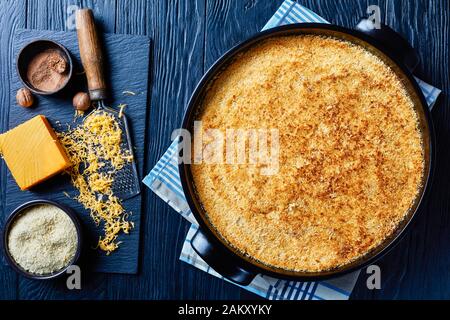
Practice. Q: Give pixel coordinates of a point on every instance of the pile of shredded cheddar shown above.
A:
(93, 146)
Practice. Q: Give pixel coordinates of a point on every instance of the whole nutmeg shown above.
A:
(24, 97)
(81, 101)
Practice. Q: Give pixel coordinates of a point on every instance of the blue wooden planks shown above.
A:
(188, 35)
(12, 16)
(128, 61)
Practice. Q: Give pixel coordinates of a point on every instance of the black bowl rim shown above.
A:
(11, 218)
(191, 108)
(67, 55)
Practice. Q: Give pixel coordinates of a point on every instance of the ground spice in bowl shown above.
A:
(42, 240)
(47, 70)
(44, 66)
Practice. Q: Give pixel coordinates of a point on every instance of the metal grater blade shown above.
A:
(126, 180)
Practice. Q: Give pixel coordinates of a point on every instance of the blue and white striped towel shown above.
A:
(164, 180)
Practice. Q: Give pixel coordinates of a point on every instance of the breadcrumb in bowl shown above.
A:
(355, 151)
(69, 241)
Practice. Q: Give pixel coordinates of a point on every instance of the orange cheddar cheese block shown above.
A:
(32, 152)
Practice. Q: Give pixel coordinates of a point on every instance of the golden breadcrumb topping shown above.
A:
(350, 158)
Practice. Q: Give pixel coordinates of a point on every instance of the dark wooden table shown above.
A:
(188, 36)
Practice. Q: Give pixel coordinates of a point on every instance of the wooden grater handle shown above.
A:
(91, 54)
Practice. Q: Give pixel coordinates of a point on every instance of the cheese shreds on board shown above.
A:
(91, 147)
(121, 108)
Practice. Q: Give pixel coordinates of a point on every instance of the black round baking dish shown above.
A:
(17, 212)
(385, 44)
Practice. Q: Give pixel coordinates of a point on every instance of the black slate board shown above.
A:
(127, 60)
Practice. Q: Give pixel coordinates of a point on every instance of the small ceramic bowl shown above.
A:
(9, 222)
(29, 51)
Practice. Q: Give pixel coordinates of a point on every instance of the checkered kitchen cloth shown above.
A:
(165, 182)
